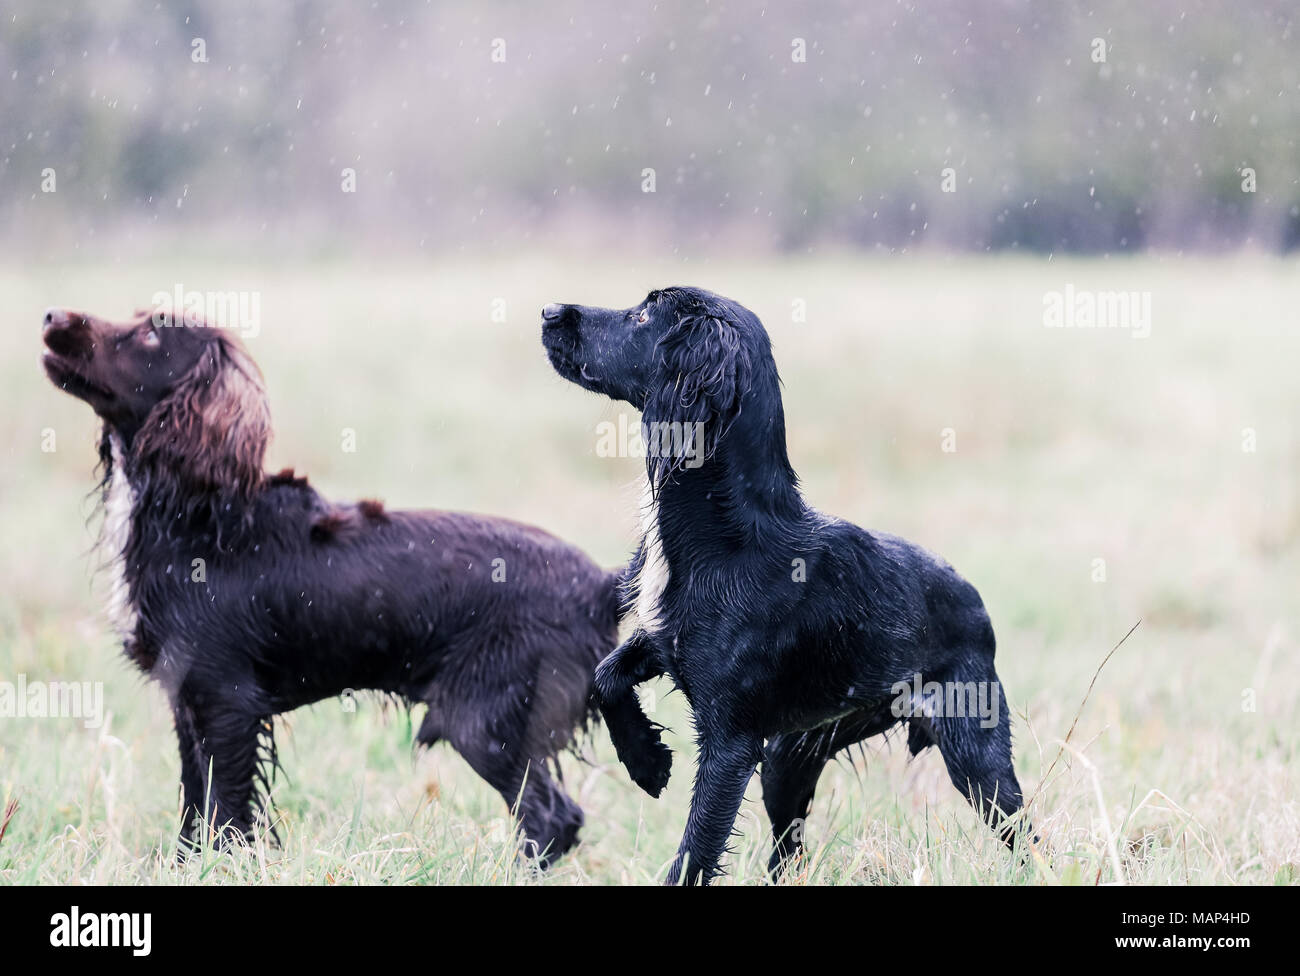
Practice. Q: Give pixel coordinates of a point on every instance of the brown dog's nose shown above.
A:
(54, 318)
(66, 333)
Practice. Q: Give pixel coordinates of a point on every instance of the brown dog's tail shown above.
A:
(625, 582)
(603, 599)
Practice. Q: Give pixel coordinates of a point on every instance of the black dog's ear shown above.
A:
(703, 375)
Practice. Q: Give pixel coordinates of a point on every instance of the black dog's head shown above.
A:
(185, 398)
(690, 360)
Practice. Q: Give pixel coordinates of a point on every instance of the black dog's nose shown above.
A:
(552, 312)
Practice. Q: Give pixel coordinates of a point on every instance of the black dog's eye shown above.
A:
(644, 317)
(149, 336)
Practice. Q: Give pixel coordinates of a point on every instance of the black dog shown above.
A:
(778, 623)
(247, 595)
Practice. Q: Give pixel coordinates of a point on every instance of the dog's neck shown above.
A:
(745, 490)
(146, 500)
(119, 515)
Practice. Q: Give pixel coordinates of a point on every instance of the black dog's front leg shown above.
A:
(636, 739)
(629, 664)
(726, 764)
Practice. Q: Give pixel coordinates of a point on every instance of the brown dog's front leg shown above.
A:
(219, 766)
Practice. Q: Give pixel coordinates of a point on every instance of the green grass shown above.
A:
(1071, 446)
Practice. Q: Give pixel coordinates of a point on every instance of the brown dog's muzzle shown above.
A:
(68, 334)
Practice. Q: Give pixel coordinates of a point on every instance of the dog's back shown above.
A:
(496, 626)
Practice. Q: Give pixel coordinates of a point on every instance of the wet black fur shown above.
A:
(786, 629)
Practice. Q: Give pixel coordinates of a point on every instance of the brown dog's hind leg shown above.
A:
(549, 819)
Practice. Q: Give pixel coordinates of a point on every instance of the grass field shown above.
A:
(1071, 447)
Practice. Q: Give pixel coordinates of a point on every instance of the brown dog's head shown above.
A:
(181, 396)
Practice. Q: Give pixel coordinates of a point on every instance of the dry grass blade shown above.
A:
(1086, 695)
(10, 809)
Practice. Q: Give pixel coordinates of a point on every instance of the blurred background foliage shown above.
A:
(1051, 150)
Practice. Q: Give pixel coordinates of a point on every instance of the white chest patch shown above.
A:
(653, 578)
(118, 508)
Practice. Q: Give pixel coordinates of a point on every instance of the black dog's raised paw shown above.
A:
(636, 740)
(651, 765)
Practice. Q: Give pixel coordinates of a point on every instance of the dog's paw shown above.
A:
(651, 766)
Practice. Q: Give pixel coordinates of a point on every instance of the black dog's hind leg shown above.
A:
(725, 765)
(977, 749)
(636, 739)
(792, 764)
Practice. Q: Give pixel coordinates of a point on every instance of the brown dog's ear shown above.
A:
(211, 432)
(704, 373)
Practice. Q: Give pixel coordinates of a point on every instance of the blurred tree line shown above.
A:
(965, 124)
